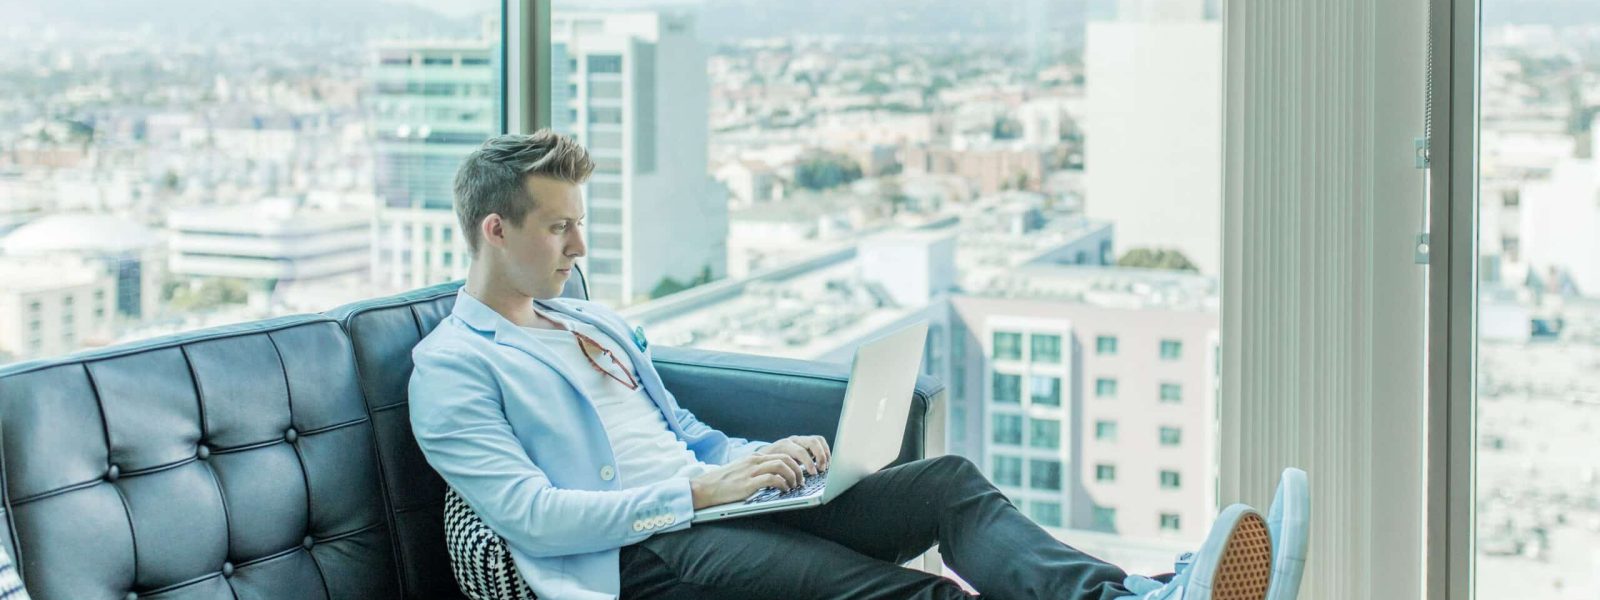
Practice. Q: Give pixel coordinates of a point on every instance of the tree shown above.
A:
(209, 294)
(669, 286)
(1006, 128)
(823, 170)
(1147, 258)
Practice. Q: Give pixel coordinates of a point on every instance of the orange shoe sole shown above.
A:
(1246, 567)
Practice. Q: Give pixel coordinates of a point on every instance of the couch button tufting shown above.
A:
(308, 542)
(291, 435)
(227, 569)
(113, 473)
(203, 452)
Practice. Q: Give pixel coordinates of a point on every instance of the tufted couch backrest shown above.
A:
(236, 462)
(271, 460)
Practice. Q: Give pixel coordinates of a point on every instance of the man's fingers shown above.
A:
(816, 450)
(784, 466)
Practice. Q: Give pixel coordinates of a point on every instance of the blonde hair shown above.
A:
(490, 180)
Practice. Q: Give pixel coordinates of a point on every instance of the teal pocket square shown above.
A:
(639, 339)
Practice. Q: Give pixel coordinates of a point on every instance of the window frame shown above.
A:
(1452, 292)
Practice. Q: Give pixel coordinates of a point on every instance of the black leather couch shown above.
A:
(274, 459)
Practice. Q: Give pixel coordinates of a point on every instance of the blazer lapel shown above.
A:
(479, 316)
(642, 368)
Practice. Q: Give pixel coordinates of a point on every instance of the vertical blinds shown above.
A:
(1323, 303)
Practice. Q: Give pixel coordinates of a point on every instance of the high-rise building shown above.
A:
(1153, 128)
(632, 88)
(433, 103)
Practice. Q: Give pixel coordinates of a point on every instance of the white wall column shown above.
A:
(1323, 303)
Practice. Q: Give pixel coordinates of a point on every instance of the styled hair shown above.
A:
(490, 180)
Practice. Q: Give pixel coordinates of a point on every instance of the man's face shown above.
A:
(539, 252)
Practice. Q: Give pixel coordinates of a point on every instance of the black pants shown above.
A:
(852, 547)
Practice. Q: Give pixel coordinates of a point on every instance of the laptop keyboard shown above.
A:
(812, 485)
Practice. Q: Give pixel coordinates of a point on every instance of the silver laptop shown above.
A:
(871, 426)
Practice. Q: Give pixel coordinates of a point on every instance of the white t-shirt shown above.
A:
(645, 448)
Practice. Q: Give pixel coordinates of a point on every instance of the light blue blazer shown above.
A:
(497, 414)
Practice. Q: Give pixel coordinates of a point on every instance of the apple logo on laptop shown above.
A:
(882, 403)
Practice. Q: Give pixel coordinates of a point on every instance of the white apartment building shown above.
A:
(632, 88)
(1559, 220)
(1153, 130)
(1091, 398)
(53, 306)
(272, 240)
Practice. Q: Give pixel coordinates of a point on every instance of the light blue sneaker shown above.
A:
(1234, 563)
(1289, 523)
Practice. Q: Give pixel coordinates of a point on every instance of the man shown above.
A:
(551, 423)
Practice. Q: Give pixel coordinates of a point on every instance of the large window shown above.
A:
(164, 168)
(1538, 303)
(838, 167)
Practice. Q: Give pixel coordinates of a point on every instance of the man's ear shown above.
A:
(492, 230)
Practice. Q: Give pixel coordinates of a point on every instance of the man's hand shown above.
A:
(739, 479)
(811, 451)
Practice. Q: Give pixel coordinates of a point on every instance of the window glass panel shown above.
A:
(605, 216)
(1171, 393)
(605, 190)
(1008, 470)
(1105, 387)
(1171, 349)
(1169, 480)
(1538, 302)
(1171, 436)
(606, 141)
(605, 115)
(604, 63)
(605, 89)
(607, 165)
(1046, 391)
(1105, 431)
(1044, 475)
(1008, 430)
(1044, 433)
(1007, 346)
(1169, 522)
(605, 266)
(1046, 348)
(1105, 344)
(1105, 518)
(1105, 473)
(1045, 513)
(1007, 388)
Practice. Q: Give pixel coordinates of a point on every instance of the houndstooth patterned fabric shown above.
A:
(10, 581)
(481, 561)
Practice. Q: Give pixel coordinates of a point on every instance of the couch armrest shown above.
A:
(764, 398)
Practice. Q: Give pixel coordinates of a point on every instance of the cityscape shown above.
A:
(1044, 187)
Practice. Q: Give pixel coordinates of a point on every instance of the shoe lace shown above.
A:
(1145, 587)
